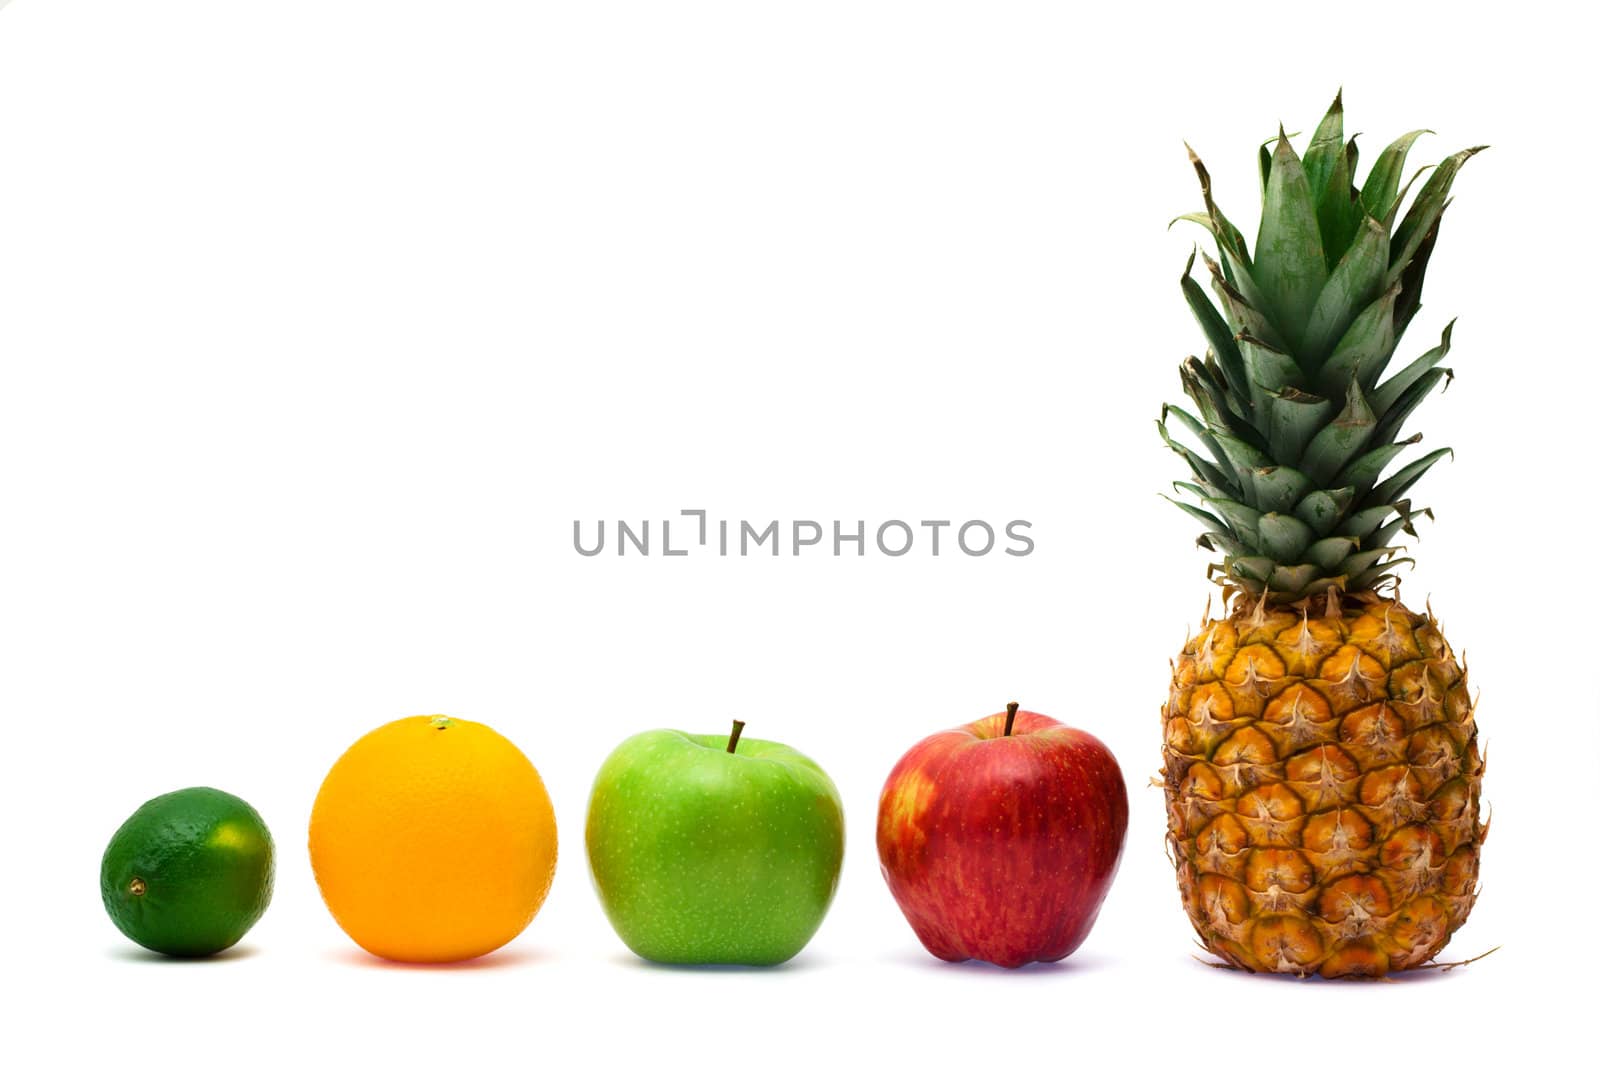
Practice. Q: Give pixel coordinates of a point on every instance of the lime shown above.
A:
(189, 872)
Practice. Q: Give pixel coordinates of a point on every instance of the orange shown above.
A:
(433, 840)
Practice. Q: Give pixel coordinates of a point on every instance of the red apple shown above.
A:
(999, 839)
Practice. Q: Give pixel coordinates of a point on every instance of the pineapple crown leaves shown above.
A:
(1294, 422)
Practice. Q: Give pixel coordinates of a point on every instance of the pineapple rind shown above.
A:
(1322, 779)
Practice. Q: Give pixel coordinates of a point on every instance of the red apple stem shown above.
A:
(1011, 716)
(733, 738)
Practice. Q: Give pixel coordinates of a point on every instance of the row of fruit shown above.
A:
(433, 840)
(1320, 760)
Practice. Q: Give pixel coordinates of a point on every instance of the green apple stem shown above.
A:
(1011, 716)
(733, 738)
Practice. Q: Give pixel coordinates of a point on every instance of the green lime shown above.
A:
(189, 872)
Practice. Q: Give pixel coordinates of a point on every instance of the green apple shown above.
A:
(706, 849)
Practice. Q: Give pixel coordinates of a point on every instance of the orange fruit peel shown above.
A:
(433, 840)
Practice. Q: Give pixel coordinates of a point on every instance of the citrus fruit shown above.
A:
(433, 840)
(188, 873)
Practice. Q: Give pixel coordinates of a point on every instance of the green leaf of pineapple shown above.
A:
(1211, 396)
(1403, 524)
(1211, 522)
(1283, 537)
(1354, 284)
(1217, 332)
(1382, 189)
(1322, 509)
(1240, 453)
(1257, 568)
(1339, 211)
(1208, 473)
(1289, 266)
(1389, 426)
(1327, 146)
(1294, 417)
(1386, 394)
(1242, 521)
(1360, 561)
(1231, 247)
(1420, 221)
(1372, 576)
(1198, 429)
(1395, 486)
(1293, 580)
(1341, 439)
(1330, 552)
(1361, 524)
(1363, 472)
(1277, 488)
(1242, 314)
(1410, 301)
(1364, 350)
(1271, 368)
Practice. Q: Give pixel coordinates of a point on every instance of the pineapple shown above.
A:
(1321, 773)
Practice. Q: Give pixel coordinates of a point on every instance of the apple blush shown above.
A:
(1000, 839)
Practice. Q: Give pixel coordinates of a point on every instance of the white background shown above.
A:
(322, 320)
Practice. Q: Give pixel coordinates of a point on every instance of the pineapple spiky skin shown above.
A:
(1322, 779)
